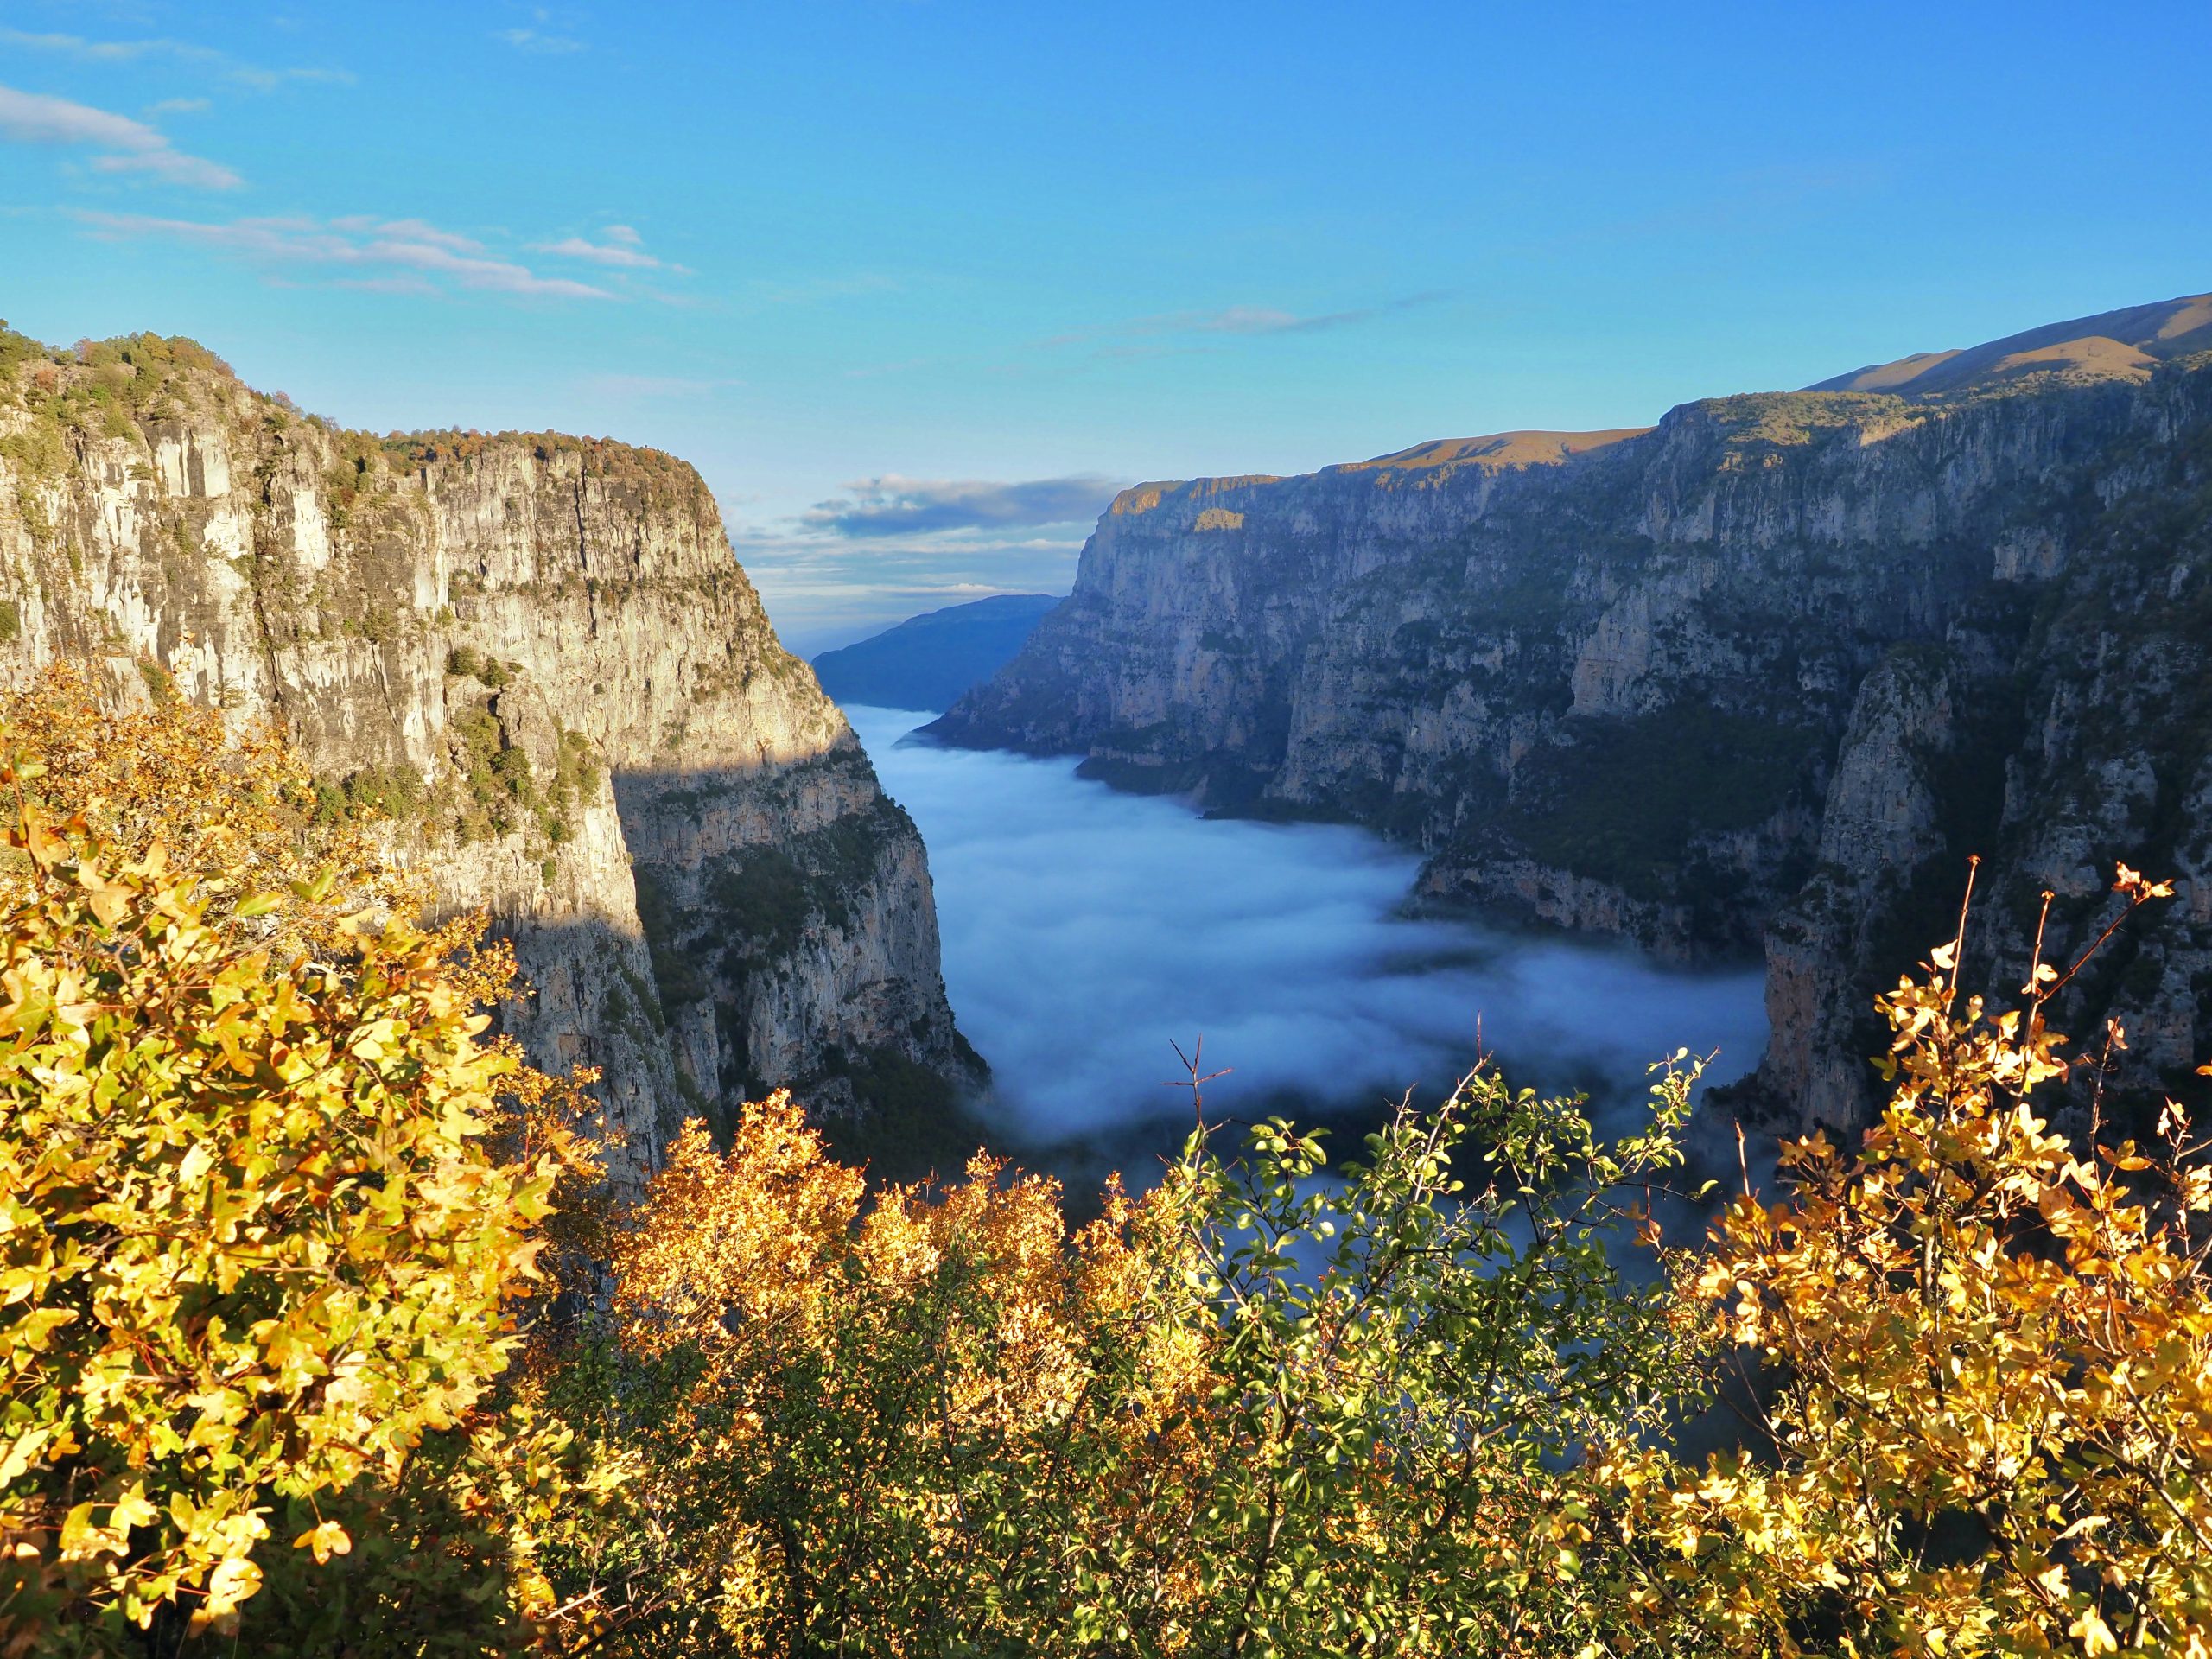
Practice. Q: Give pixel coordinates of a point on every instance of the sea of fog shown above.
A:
(1086, 929)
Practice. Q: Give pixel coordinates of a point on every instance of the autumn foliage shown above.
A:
(1250, 1411)
(1986, 1423)
(258, 1244)
(319, 1337)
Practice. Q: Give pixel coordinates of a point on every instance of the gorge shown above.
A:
(1086, 929)
(1751, 685)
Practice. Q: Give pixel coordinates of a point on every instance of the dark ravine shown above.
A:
(539, 652)
(1759, 679)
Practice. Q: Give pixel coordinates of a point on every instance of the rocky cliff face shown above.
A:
(538, 656)
(1760, 678)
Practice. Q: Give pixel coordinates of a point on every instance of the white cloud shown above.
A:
(171, 167)
(178, 107)
(383, 248)
(1229, 320)
(620, 248)
(33, 117)
(266, 80)
(127, 146)
(575, 247)
(246, 74)
(1084, 930)
(415, 230)
(76, 46)
(530, 40)
(892, 505)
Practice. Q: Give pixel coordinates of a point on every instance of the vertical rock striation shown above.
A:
(536, 653)
(1758, 678)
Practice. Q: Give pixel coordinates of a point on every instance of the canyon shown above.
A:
(1756, 682)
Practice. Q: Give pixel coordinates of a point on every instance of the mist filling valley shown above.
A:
(1085, 930)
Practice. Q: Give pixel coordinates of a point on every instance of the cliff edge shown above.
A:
(1758, 679)
(536, 655)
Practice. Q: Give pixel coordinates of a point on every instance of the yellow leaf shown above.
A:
(2090, 1630)
(232, 1582)
(326, 1541)
(133, 1511)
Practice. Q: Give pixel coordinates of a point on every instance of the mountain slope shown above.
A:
(928, 661)
(2113, 344)
(1758, 679)
(539, 652)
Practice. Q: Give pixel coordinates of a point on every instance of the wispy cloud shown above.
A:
(76, 46)
(892, 505)
(415, 230)
(536, 40)
(404, 254)
(618, 247)
(89, 51)
(1234, 320)
(267, 80)
(651, 388)
(125, 146)
(179, 106)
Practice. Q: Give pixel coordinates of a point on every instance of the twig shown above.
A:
(2035, 957)
(1959, 939)
(1191, 1061)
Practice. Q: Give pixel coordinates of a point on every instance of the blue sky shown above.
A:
(916, 285)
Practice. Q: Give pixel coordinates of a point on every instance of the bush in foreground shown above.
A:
(1253, 1411)
(268, 1207)
(1986, 1423)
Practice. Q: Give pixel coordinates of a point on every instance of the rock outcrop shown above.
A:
(537, 655)
(1760, 678)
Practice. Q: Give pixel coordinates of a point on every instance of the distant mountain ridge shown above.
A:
(928, 662)
(2123, 344)
(1759, 679)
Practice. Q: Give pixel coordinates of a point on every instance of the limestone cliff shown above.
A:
(538, 656)
(1761, 676)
